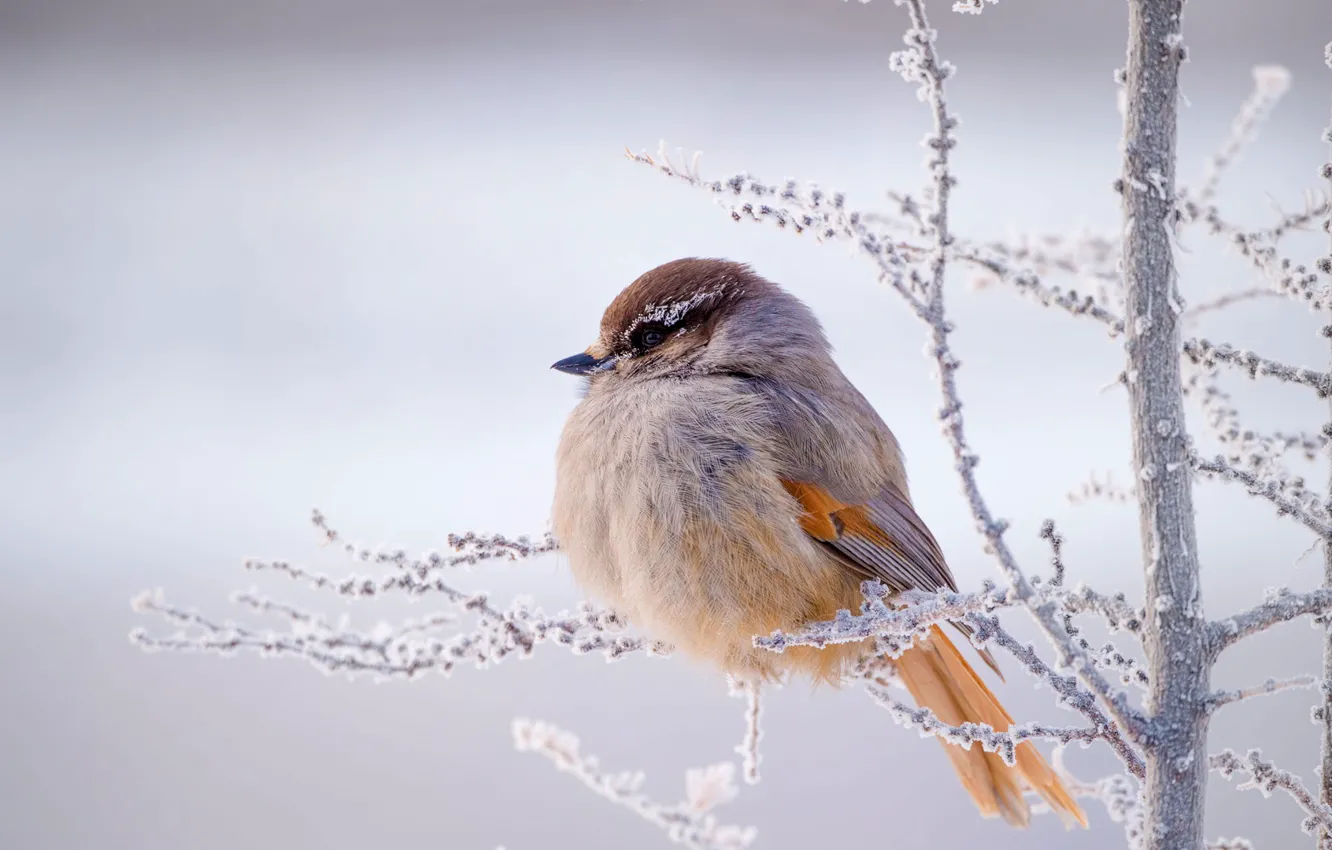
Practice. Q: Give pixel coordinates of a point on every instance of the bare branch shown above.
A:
(1311, 514)
(472, 548)
(1270, 84)
(897, 628)
(1261, 453)
(1107, 657)
(1094, 488)
(918, 611)
(414, 647)
(920, 63)
(1271, 686)
(1004, 744)
(407, 650)
(1282, 604)
(806, 209)
(1221, 302)
(1115, 610)
(1127, 722)
(1120, 795)
(1267, 777)
(1323, 710)
(1050, 533)
(1084, 255)
(1028, 283)
(1288, 277)
(1205, 353)
(689, 822)
(751, 691)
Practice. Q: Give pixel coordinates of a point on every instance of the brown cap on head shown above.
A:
(683, 290)
(681, 302)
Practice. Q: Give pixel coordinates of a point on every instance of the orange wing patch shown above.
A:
(885, 540)
(819, 508)
(827, 519)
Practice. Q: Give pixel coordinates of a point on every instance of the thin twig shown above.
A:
(689, 822)
(1282, 605)
(1267, 777)
(1205, 353)
(1271, 686)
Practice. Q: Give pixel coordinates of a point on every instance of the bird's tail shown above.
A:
(940, 679)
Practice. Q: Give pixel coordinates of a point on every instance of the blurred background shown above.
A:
(261, 256)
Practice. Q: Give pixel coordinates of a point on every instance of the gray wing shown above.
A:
(877, 535)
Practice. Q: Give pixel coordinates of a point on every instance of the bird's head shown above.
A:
(701, 316)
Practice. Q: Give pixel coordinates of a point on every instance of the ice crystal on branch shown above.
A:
(415, 646)
(690, 822)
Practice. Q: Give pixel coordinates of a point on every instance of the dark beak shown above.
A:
(582, 364)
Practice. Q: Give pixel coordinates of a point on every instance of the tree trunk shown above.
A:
(1326, 691)
(1177, 652)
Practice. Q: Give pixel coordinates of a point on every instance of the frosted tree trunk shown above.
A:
(1326, 763)
(1175, 636)
(1326, 690)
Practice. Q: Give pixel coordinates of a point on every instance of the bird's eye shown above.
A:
(651, 336)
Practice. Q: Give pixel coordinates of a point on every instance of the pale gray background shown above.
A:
(261, 256)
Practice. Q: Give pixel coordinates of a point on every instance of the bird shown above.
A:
(721, 478)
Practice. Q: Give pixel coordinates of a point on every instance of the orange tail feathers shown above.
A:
(940, 679)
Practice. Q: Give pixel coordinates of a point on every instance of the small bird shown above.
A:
(721, 478)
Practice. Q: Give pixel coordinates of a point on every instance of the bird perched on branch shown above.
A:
(721, 478)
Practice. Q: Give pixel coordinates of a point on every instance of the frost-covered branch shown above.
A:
(414, 647)
(1094, 489)
(1120, 795)
(1127, 725)
(751, 691)
(1322, 713)
(896, 628)
(1312, 514)
(1267, 778)
(1271, 686)
(803, 209)
(1108, 656)
(1115, 610)
(1258, 452)
(1086, 255)
(414, 576)
(1175, 633)
(1270, 84)
(689, 822)
(1004, 744)
(920, 63)
(1056, 540)
(1259, 247)
(1028, 282)
(902, 624)
(1221, 302)
(405, 651)
(1206, 353)
(1282, 605)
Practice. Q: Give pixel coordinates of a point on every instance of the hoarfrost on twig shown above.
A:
(689, 822)
(1266, 777)
(416, 646)
(1271, 686)
(751, 691)
(1270, 84)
